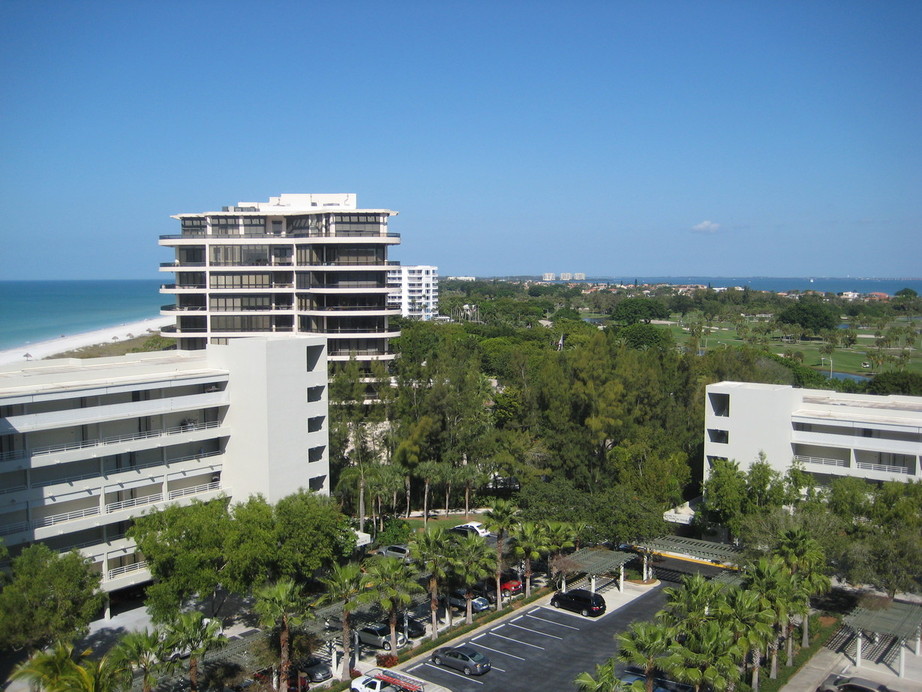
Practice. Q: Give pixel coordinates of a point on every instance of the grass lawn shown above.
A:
(416, 523)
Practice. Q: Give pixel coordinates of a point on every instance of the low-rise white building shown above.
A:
(878, 438)
(415, 290)
(87, 445)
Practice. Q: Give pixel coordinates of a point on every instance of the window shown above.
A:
(720, 404)
(315, 394)
(313, 356)
(315, 424)
(315, 454)
(719, 436)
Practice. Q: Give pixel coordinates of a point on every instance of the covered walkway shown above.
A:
(707, 552)
(888, 631)
(596, 562)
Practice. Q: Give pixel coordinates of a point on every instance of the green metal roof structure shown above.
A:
(596, 561)
(900, 620)
(701, 550)
(731, 579)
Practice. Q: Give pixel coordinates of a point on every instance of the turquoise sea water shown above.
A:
(33, 311)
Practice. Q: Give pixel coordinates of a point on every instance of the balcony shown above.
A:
(822, 461)
(118, 439)
(183, 287)
(181, 265)
(124, 570)
(182, 308)
(884, 468)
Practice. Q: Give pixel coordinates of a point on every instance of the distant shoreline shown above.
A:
(41, 350)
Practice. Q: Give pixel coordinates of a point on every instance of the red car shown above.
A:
(509, 586)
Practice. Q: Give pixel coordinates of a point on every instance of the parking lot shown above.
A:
(541, 648)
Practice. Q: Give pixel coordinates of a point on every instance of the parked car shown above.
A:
(472, 527)
(842, 683)
(509, 585)
(401, 552)
(580, 601)
(364, 683)
(414, 630)
(379, 635)
(464, 658)
(456, 599)
(314, 668)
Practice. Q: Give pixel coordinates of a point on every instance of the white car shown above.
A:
(368, 684)
(472, 527)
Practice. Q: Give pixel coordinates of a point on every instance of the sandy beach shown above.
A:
(45, 349)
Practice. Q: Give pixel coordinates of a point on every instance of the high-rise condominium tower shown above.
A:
(299, 263)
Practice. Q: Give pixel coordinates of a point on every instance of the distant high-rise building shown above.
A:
(297, 264)
(549, 276)
(415, 290)
(579, 276)
(566, 276)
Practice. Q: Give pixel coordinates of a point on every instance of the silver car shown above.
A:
(379, 636)
(464, 658)
(842, 683)
(401, 552)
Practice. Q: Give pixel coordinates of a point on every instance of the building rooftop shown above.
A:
(292, 204)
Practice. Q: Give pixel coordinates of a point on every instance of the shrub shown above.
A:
(386, 660)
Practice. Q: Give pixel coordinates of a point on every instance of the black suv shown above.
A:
(580, 601)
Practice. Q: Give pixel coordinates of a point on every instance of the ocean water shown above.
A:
(780, 285)
(33, 311)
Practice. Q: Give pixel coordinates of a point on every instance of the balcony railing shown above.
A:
(9, 529)
(821, 460)
(116, 572)
(116, 439)
(180, 265)
(133, 502)
(886, 468)
(271, 236)
(13, 454)
(179, 287)
(127, 469)
(195, 490)
(65, 516)
(183, 308)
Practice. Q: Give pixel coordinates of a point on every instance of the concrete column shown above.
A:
(592, 583)
(646, 561)
(858, 651)
(621, 578)
(563, 582)
(902, 671)
(108, 611)
(919, 642)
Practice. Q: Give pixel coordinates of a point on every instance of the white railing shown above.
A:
(676, 518)
(195, 489)
(65, 516)
(821, 460)
(886, 468)
(133, 502)
(8, 529)
(116, 439)
(126, 569)
(124, 469)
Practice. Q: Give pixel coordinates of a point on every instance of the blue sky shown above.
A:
(612, 138)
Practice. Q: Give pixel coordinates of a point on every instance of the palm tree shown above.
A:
(530, 541)
(194, 632)
(46, 669)
(643, 645)
(708, 656)
(278, 605)
(143, 651)
(434, 551)
(771, 578)
(105, 674)
(805, 558)
(692, 604)
(751, 621)
(605, 680)
(473, 560)
(390, 582)
(343, 585)
(501, 519)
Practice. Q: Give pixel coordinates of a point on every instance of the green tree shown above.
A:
(605, 680)
(813, 316)
(343, 585)
(473, 561)
(708, 657)
(103, 674)
(752, 623)
(725, 495)
(529, 542)
(434, 551)
(391, 583)
(771, 578)
(501, 519)
(185, 548)
(142, 651)
(644, 645)
(49, 596)
(311, 533)
(47, 669)
(279, 606)
(198, 635)
(249, 542)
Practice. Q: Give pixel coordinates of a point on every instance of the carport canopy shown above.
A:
(694, 548)
(900, 620)
(599, 561)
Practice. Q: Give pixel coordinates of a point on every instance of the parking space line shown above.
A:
(576, 615)
(488, 648)
(446, 670)
(528, 629)
(559, 624)
(517, 641)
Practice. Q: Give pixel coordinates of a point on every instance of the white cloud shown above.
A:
(706, 227)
